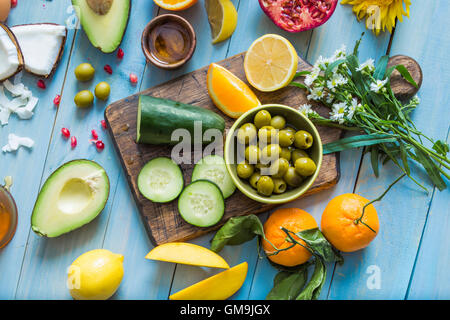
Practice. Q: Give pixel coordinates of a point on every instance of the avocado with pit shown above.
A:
(72, 196)
(104, 21)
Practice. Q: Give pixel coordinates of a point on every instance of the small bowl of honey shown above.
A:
(168, 41)
(8, 216)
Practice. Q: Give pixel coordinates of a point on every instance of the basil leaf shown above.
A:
(320, 246)
(380, 70)
(314, 287)
(357, 141)
(236, 231)
(288, 285)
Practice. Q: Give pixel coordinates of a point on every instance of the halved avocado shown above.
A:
(104, 21)
(71, 197)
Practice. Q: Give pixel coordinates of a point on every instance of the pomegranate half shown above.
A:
(298, 15)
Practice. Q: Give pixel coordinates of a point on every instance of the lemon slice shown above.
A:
(270, 63)
(222, 16)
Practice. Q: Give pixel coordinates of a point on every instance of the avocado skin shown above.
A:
(48, 182)
(87, 27)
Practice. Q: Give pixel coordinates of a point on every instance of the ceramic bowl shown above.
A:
(299, 122)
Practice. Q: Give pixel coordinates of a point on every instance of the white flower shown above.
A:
(310, 78)
(322, 63)
(415, 101)
(306, 110)
(316, 94)
(338, 112)
(369, 64)
(336, 80)
(376, 86)
(352, 108)
(340, 53)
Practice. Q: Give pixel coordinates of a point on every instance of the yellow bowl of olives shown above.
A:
(273, 153)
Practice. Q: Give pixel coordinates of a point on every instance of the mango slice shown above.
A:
(187, 253)
(218, 287)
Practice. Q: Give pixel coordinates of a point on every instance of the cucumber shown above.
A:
(213, 168)
(157, 119)
(160, 180)
(201, 203)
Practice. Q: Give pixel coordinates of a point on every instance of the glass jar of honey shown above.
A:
(8, 216)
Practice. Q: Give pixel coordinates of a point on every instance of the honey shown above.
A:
(169, 42)
(5, 222)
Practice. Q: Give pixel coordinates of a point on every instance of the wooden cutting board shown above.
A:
(162, 221)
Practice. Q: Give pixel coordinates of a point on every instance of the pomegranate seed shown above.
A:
(13, 3)
(100, 145)
(57, 100)
(65, 132)
(133, 78)
(41, 84)
(94, 134)
(73, 142)
(108, 69)
(103, 123)
(120, 53)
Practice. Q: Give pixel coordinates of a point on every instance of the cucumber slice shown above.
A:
(160, 180)
(201, 203)
(213, 168)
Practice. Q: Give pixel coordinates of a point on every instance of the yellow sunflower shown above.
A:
(380, 14)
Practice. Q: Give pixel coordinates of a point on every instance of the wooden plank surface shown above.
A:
(163, 220)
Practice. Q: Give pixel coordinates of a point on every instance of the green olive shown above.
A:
(278, 122)
(84, 72)
(252, 154)
(262, 118)
(265, 186)
(270, 153)
(285, 153)
(285, 138)
(254, 179)
(292, 178)
(279, 168)
(246, 133)
(245, 170)
(266, 134)
(305, 167)
(102, 90)
(298, 153)
(84, 99)
(290, 129)
(279, 186)
(303, 139)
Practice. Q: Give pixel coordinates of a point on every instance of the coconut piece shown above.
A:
(15, 142)
(42, 45)
(11, 58)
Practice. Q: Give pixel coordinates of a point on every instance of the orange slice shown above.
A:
(175, 5)
(229, 93)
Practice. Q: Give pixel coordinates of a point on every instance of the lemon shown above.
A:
(95, 275)
(270, 63)
(222, 16)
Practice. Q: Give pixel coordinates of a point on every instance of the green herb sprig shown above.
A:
(360, 98)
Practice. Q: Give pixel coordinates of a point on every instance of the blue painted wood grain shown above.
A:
(26, 166)
(404, 210)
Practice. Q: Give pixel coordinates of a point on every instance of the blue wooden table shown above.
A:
(410, 258)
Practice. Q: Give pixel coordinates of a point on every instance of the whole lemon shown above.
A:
(95, 275)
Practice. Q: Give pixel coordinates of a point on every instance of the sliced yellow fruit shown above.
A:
(270, 63)
(229, 93)
(218, 287)
(222, 16)
(175, 5)
(187, 253)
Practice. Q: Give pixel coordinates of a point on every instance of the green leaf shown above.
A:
(320, 246)
(356, 48)
(314, 287)
(331, 67)
(431, 168)
(374, 160)
(404, 72)
(441, 147)
(301, 73)
(299, 85)
(236, 231)
(288, 285)
(404, 157)
(380, 70)
(356, 142)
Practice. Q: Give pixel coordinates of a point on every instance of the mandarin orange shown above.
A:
(341, 225)
(294, 220)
